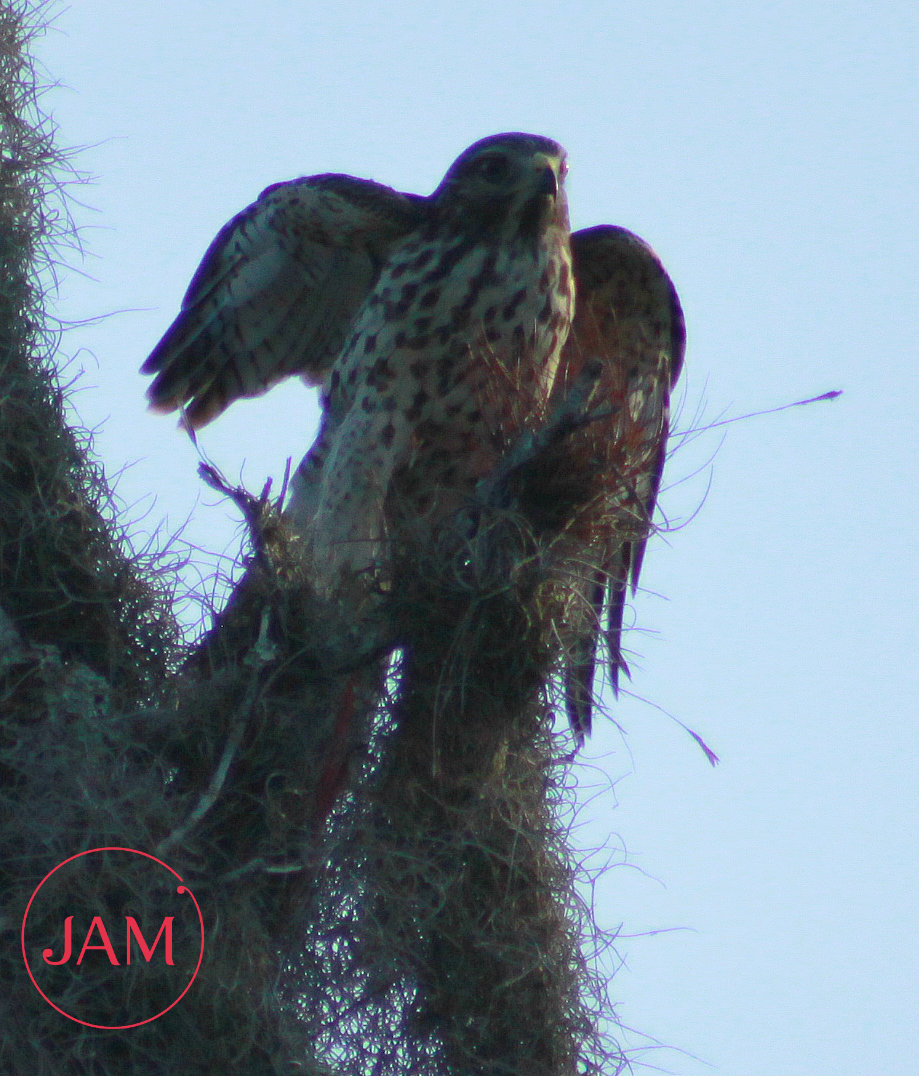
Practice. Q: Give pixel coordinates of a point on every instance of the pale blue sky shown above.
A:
(768, 153)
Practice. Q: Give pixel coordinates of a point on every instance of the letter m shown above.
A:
(147, 950)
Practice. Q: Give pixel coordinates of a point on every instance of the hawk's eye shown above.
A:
(495, 169)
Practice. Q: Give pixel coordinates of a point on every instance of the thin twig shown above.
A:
(256, 657)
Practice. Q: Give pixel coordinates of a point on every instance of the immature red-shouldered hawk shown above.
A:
(435, 326)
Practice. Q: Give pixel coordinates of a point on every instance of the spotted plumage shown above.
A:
(481, 295)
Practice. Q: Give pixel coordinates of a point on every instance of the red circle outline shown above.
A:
(179, 889)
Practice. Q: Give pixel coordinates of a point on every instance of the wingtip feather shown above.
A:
(161, 405)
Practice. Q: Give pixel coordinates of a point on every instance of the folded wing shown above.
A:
(276, 292)
(629, 317)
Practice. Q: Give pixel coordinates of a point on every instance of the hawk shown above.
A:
(435, 327)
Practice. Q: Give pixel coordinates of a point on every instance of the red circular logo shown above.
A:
(96, 937)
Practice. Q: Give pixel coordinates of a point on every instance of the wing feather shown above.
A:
(276, 292)
(629, 316)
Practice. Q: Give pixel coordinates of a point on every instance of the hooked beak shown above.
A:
(546, 176)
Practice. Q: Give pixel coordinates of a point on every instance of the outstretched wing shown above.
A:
(629, 317)
(276, 292)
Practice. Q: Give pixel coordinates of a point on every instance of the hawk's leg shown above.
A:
(348, 528)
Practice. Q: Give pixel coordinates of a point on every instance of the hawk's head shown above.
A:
(506, 183)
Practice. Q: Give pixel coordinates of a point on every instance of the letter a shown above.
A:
(97, 924)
